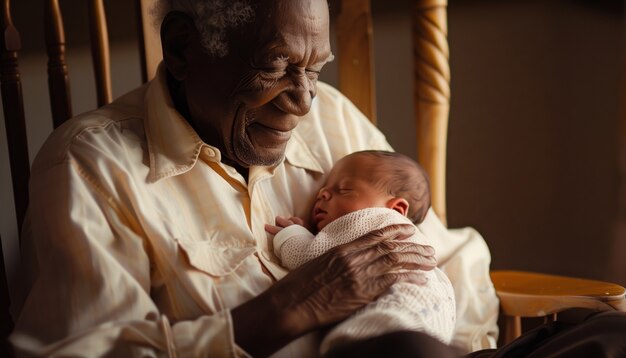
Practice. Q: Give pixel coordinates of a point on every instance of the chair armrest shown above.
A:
(527, 294)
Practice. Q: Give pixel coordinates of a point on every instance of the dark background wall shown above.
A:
(534, 129)
(533, 146)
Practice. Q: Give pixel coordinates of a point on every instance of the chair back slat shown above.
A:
(58, 78)
(432, 94)
(356, 55)
(100, 51)
(13, 108)
(149, 40)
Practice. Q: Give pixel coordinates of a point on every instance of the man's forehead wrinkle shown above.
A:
(290, 28)
(283, 40)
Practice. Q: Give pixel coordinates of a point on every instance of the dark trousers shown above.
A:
(600, 335)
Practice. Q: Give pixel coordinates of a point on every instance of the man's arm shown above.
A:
(92, 293)
(330, 288)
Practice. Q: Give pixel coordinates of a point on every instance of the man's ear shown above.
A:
(400, 205)
(177, 32)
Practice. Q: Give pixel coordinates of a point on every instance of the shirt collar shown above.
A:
(174, 146)
(299, 154)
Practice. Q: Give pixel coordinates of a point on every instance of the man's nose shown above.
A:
(298, 97)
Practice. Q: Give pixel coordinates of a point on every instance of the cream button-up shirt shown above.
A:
(144, 240)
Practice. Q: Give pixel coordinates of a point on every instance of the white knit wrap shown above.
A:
(428, 308)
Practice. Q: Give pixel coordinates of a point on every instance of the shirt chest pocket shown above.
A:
(212, 259)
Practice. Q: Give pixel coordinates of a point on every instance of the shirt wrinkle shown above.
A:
(299, 154)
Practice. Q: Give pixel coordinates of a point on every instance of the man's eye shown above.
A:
(271, 75)
(312, 74)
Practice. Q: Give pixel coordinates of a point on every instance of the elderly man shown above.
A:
(147, 215)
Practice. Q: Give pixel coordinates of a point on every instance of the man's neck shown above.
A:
(180, 103)
(178, 97)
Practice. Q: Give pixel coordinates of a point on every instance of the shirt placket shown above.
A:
(261, 214)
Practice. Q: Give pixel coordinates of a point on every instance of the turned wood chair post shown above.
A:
(149, 39)
(100, 51)
(431, 79)
(6, 322)
(432, 94)
(58, 78)
(13, 109)
(355, 53)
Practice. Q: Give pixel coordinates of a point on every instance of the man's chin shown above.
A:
(260, 156)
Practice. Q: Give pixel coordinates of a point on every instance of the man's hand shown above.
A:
(331, 287)
(283, 222)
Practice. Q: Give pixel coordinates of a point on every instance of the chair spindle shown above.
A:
(100, 51)
(13, 108)
(149, 40)
(58, 77)
(6, 322)
(356, 55)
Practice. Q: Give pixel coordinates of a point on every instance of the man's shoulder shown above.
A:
(327, 90)
(330, 98)
(334, 127)
(106, 128)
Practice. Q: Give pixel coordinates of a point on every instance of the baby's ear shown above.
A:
(400, 205)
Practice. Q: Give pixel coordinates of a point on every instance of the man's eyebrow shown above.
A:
(284, 58)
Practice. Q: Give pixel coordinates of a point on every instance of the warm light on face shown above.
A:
(248, 103)
(348, 188)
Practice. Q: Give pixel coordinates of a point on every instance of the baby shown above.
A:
(366, 191)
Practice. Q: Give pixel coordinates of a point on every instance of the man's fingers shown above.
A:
(391, 232)
(415, 261)
(406, 246)
(397, 261)
(387, 280)
(399, 255)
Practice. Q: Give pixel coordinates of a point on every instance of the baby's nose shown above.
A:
(323, 194)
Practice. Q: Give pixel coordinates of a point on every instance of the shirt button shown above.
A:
(209, 152)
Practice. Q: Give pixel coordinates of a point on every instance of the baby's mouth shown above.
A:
(318, 214)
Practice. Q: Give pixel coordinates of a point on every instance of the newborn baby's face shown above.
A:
(348, 188)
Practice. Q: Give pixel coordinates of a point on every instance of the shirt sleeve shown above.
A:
(464, 257)
(92, 290)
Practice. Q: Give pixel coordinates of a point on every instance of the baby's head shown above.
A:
(369, 179)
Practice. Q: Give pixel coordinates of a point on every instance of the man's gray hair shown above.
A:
(212, 19)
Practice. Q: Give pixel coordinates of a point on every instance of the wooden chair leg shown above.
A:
(512, 328)
(549, 318)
